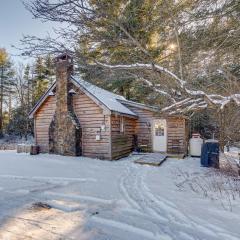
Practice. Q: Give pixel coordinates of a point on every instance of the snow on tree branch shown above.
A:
(160, 91)
(145, 66)
(197, 99)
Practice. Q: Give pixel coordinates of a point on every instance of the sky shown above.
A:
(16, 21)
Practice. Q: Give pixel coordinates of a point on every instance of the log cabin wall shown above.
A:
(122, 143)
(177, 131)
(187, 135)
(112, 144)
(91, 118)
(143, 126)
(42, 120)
(177, 135)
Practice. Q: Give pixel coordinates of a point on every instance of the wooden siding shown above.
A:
(113, 144)
(143, 126)
(43, 118)
(122, 142)
(91, 118)
(177, 130)
(177, 135)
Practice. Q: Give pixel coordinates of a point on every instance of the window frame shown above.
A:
(159, 129)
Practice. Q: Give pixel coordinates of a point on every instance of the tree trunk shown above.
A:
(10, 107)
(221, 130)
(1, 103)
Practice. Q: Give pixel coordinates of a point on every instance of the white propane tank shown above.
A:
(195, 145)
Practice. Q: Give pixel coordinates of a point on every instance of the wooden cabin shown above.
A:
(77, 118)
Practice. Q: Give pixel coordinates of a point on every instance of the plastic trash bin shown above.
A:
(195, 145)
(210, 154)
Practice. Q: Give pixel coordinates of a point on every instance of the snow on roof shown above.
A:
(109, 99)
(139, 105)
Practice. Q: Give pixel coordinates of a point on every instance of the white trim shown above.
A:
(165, 133)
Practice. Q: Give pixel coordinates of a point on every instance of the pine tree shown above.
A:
(40, 81)
(6, 82)
(111, 43)
(28, 79)
(49, 69)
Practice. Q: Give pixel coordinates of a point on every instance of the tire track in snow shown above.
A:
(160, 211)
(48, 179)
(132, 192)
(185, 224)
(126, 227)
(125, 191)
(196, 224)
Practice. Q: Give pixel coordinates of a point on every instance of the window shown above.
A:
(121, 124)
(159, 129)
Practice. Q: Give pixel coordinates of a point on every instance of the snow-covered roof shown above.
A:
(109, 99)
(139, 105)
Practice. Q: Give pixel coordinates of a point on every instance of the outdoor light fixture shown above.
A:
(98, 137)
(72, 92)
(51, 93)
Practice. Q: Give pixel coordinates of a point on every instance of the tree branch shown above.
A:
(197, 98)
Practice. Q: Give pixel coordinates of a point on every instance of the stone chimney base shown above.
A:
(65, 133)
(65, 139)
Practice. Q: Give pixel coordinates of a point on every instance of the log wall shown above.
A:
(91, 118)
(113, 144)
(122, 142)
(177, 135)
(42, 120)
(144, 126)
(177, 131)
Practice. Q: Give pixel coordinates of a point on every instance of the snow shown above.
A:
(233, 155)
(109, 99)
(145, 66)
(218, 100)
(92, 199)
(150, 84)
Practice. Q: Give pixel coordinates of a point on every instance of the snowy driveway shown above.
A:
(94, 199)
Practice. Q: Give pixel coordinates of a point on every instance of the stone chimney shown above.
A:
(65, 131)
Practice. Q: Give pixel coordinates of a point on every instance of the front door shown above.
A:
(160, 135)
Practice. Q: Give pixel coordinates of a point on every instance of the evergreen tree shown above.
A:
(28, 83)
(112, 44)
(49, 69)
(43, 76)
(197, 41)
(6, 82)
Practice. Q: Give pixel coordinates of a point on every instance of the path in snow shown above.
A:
(99, 200)
(163, 213)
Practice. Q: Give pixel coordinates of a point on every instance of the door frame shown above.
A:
(153, 131)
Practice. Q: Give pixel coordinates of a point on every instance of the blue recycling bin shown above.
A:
(210, 154)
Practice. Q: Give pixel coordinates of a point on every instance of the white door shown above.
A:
(160, 135)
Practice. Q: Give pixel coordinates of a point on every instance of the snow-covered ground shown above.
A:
(94, 199)
(233, 154)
